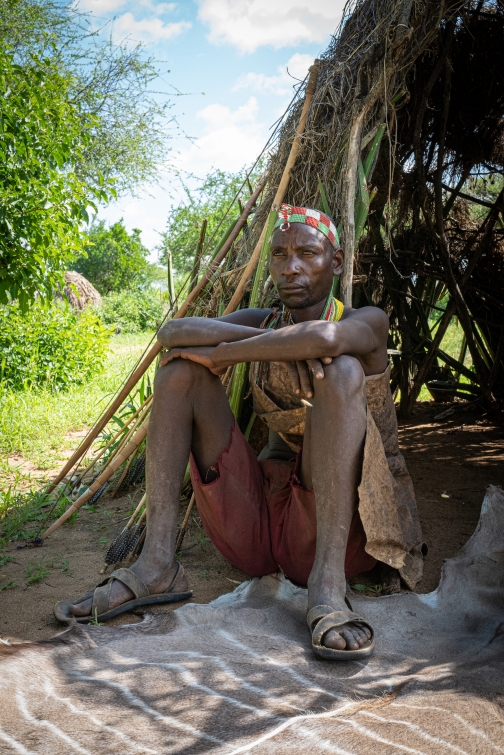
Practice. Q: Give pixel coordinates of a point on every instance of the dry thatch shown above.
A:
(425, 80)
(79, 292)
(407, 116)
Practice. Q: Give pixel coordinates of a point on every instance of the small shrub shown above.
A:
(131, 311)
(50, 346)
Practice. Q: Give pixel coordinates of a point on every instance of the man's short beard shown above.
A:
(308, 301)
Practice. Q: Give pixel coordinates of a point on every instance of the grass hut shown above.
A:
(402, 144)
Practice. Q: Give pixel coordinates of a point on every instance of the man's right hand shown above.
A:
(203, 355)
(303, 373)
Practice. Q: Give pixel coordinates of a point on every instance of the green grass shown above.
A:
(451, 344)
(39, 425)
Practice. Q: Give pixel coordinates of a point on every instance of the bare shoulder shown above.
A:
(375, 317)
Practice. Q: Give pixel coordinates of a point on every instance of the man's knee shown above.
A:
(344, 377)
(180, 376)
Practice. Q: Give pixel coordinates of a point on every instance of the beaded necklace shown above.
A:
(332, 312)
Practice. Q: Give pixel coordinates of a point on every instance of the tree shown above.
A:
(42, 199)
(112, 83)
(209, 200)
(115, 260)
(75, 116)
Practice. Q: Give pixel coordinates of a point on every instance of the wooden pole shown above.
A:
(115, 437)
(107, 473)
(155, 348)
(183, 528)
(171, 284)
(197, 256)
(354, 140)
(280, 192)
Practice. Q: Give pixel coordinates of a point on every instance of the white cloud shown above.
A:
(109, 6)
(147, 29)
(101, 6)
(248, 24)
(294, 71)
(230, 139)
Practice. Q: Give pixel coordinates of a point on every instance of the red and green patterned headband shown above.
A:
(288, 214)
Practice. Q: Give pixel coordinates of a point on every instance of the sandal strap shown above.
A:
(322, 619)
(316, 613)
(101, 600)
(131, 580)
(101, 594)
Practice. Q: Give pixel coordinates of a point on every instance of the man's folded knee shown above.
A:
(181, 373)
(344, 375)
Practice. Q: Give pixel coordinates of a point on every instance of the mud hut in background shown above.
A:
(403, 145)
(79, 292)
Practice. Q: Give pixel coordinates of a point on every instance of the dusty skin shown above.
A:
(457, 456)
(190, 412)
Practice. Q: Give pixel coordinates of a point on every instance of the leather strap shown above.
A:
(321, 619)
(131, 580)
(101, 595)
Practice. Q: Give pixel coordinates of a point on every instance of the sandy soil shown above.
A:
(451, 462)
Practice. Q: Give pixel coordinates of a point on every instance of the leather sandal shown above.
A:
(100, 609)
(321, 619)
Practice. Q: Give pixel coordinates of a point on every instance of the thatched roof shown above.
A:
(405, 127)
(79, 291)
(429, 76)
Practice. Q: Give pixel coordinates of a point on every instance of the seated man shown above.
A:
(329, 496)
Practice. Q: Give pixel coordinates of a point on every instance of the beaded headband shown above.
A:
(288, 214)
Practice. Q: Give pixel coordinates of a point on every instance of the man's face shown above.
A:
(302, 265)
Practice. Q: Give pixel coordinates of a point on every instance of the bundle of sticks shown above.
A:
(125, 448)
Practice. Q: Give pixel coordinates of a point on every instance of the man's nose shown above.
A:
(291, 267)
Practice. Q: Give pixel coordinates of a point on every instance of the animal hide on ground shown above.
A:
(238, 675)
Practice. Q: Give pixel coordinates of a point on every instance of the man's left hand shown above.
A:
(200, 354)
(304, 373)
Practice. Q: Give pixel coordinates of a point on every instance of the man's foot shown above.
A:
(120, 593)
(350, 636)
(340, 634)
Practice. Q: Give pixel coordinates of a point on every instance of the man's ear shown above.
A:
(338, 259)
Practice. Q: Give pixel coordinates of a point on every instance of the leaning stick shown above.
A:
(134, 515)
(184, 524)
(123, 475)
(156, 348)
(354, 142)
(280, 192)
(115, 437)
(107, 473)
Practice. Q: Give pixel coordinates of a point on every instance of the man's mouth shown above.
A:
(291, 289)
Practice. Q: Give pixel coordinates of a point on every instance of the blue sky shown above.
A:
(237, 53)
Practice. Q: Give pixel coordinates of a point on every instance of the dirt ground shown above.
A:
(451, 461)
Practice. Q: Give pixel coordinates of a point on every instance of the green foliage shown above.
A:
(35, 424)
(115, 260)
(21, 514)
(210, 200)
(131, 311)
(42, 200)
(111, 82)
(50, 346)
(36, 573)
(486, 188)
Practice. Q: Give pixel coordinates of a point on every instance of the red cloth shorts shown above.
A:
(261, 519)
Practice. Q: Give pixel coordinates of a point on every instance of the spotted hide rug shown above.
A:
(238, 675)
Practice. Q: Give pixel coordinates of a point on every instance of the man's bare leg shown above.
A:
(190, 411)
(331, 464)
